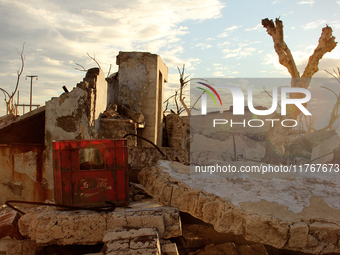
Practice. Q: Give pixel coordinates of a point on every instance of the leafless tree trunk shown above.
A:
(278, 135)
(10, 101)
(183, 81)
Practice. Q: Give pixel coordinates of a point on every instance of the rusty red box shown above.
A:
(90, 172)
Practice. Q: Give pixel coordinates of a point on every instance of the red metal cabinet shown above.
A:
(90, 172)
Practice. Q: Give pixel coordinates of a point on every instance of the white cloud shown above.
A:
(224, 43)
(239, 52)
(338, 2)
(228, 29)
(311, 2)
(218, 74)
(314, 24)
(232, 28)
(271, 59)
(203, 46)
(191, 63)
(224, 34)
(54, 62)
(221, 67)
(257, 27)
(64, 31)
(335, 24)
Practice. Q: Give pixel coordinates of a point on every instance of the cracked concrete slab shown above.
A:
(295, 214)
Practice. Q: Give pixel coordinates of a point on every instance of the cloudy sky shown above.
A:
(213, 38)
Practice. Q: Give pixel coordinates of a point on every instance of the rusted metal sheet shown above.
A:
(90, 172)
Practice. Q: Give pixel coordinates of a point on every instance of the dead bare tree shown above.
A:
(335, 111)
(83, 69)
(183, 82)
(9, 98)
(278, 135)
(326, 44)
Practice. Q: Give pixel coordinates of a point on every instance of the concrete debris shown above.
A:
(85, 228)
(137, 192)
(168, 248)
(18, 247)
(196, 235)
(267, 219)
(190, 242)
(137, 241)
(9, 225)
(132, 241)
(137, 117)
(111, 112)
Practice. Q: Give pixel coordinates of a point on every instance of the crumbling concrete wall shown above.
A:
(75, 115)
(21, 175)
(67, 117)
(141, 79)
(100, 93)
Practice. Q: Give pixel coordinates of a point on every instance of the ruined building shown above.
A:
(203, 213)
(26, 141)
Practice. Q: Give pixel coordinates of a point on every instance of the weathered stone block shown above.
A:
(18, 247)
(326, 233)
(85, 227)
(168, 248)
(298, 235)
(139, 241)
(266, 230)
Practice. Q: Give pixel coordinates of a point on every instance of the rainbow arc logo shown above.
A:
(204, 96)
